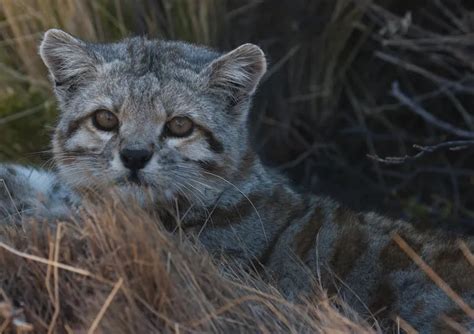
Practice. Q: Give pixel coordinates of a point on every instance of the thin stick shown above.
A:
(35, 258)
(405, 325)
(104, 307)
(467, 253)
(434, 276)
(454, 145)
(57, 304)
(454, 325)
(420, 111)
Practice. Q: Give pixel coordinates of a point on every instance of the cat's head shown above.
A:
(151, 117)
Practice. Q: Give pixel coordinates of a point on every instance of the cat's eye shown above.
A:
(180, 127)
(105, 120)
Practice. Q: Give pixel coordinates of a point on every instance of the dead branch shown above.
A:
(454, 145)
(420, 111)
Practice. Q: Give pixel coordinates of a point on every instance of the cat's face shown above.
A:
(155, 119)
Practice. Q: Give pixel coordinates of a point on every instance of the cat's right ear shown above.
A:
(236, 73)
(67, 58)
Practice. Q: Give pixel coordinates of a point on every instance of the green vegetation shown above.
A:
(21, 138)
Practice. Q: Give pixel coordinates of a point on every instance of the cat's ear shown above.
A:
(236, 73)
(67, 58)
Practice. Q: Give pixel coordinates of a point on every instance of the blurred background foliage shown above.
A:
(350, 82)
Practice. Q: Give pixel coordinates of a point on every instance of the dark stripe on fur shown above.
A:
(73, 126)
(295, 216)
(223, 217)
(214, 144)
(306, 237)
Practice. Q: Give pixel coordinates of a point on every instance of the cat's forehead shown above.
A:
(114, 82)
(164, 58)
(147, 74)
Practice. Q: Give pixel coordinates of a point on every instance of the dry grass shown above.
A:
(327, 102)
(120, 272)
(26, 20)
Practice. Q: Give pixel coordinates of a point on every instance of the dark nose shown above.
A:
(135, 159)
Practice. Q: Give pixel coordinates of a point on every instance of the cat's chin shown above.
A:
(145, 196)
(139, 194)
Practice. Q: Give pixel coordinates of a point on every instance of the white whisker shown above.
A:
(246, 197)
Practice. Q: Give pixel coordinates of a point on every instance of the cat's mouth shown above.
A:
(133, 178)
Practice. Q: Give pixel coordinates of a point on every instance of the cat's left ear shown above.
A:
(237, 73)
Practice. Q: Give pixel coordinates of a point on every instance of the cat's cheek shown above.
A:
(194, 150)
(87, 140)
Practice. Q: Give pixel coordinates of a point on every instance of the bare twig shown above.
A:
(420, 111)
(300, 158)
(47, 262)
(104, 307)
(55, 299)
(433, 275)
(403, 324)
(454, 145)
(441, 81)
(457, 327)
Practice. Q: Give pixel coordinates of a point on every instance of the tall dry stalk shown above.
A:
(102, 20)
(27, 20)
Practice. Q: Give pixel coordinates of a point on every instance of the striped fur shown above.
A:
(301, 240)
(213, 186)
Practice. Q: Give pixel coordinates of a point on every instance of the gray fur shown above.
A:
(28, 192)
(146, 83)
(213, 185)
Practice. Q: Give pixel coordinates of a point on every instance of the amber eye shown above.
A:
(180, 127)
(105, 120)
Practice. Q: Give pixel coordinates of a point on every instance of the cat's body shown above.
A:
(302, 240)
(165, 123)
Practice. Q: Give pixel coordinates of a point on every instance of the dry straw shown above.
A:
(119, 271)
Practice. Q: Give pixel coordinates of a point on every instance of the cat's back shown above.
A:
(367, 260)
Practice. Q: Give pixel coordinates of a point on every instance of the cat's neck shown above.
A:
(247, 216)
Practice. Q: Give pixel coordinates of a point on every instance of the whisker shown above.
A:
(246, 197)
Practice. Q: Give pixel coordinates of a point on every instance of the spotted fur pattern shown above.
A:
(212, 185)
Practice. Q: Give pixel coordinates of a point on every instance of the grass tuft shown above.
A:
(119, 271)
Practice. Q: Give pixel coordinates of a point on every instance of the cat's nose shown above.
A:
(135, 159)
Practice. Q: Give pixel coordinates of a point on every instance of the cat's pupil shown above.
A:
(180, 126)
(105, 120)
